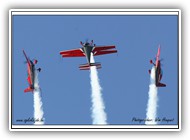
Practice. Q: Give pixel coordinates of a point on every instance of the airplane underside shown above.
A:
(31, 80)
(86, 51)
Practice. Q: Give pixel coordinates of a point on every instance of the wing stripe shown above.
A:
(101, 48)
(105, 52)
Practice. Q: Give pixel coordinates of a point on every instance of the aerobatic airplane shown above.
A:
(86, 50)
(158, 70)
(30, 72)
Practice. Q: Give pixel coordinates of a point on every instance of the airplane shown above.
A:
(158, 71)
(30, 72)
(86, 50)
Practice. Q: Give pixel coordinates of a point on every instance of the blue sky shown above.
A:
(124, 76)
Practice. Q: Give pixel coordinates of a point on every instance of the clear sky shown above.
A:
(124, 76)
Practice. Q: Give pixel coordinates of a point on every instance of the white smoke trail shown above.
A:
(98, 114)
(153, 100)
(38, 109)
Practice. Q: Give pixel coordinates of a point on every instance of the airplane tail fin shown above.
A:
(87, 66)
(161, 85)
(28, 90)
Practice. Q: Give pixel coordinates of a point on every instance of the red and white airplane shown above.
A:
(158, 70)
(30, 72)
(86, 50)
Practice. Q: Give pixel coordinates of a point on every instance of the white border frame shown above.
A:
(13, 12)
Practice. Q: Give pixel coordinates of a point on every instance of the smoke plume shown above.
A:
(38, 109)
(151, 113)
(98, 114)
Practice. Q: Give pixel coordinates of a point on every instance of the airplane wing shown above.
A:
(29, 80)
(72, 53)
(104, 52)
(158, 53)
(26, 58)
(101, 50)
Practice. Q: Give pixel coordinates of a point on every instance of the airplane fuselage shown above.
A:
(158, 70)
(158, 73)
(31, 73)
(87, 49)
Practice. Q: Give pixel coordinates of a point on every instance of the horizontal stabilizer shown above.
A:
(87, 66)
(39, 69)
(161, 85)
(28, 89)
(149, 71)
